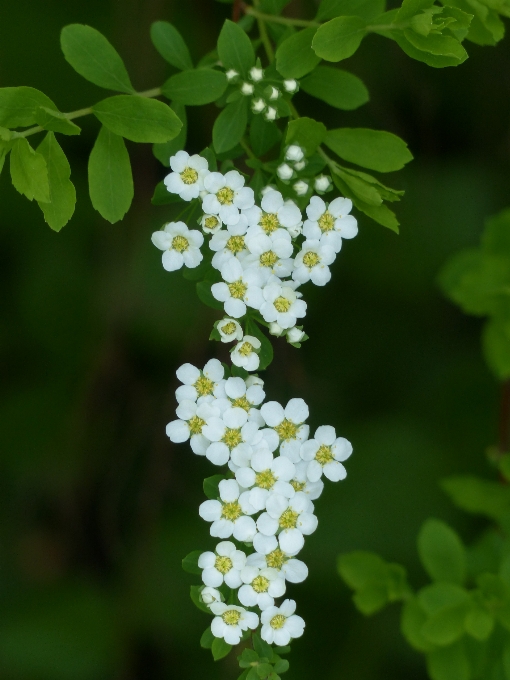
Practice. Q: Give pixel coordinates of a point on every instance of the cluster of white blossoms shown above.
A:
(265, 505)
(263, 253)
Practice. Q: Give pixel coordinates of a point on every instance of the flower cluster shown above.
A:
(264, 507)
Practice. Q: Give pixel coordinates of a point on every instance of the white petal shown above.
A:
(307, 523)
(188, 374)
(233, 579)
(288, 607)
(235, 417)
(212, 577)
(264, 544)
(291, 541)
(267, 525)
(247, 596)
(281, 637)
(229, 490)
(335, 471)
(207, 560)
(342, 449)
(273, 413)
(276, 504)
(235, 388)
(283, 468)
(177, 431)
(295, 571)
(246, 477)
(210, 510)
(295, 625)
(172, 260)
(261, 460)
(222, 528)
(244, 529)
(314, 471)
(214, 370)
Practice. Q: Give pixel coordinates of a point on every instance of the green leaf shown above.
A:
(195, 88)
(360, 187)
(94, 58)
(29, 172)
(446, 625)
(110, 178)
(190, 562)
(410, 8)
(162, 196)
(18, 106)
(207, 639)
(440, 45)
(366, 9)
(439, 596)
(411, 624)
(220, 648)
(478, 496)
(441, 552)
(235, 49)
(229, 126)
(262, 648)
(266, 348)
(479, 622)
(339, 38)
(379, 213)
(194, 592)
(427, 56)
(62, 193)
(263, 135)
(336, 87)
(281, 666)
(49, 119)
(496, 347)
(5, 147)
(211, 486)
(307, 133)
(496, 235)
(164, 151)
(273, 6)
(170, 44)
(264, 670)
(205, 295)
(448, 663)
(295, 57)
(138, 118)
(373, 149)
(247, 657)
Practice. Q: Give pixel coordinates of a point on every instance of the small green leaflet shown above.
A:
(339, 38)
(235, 49)
(478, 496)
(211, 486)
(230, 125)
(18, 106)
(171, 46)
(190, 562)
(449, 663)
(29, 172)
(52, 120)
(195, 88)
(138, 118)
(110, 178)
(336, 87)
(307, 133)
(295, 57)
(164, 151)
(434, 59)
(94, 58)
(441, 552)
(411, 624)
(207, 638)
(220, 648)
(496, 347)
(60, 209)
(349, 188)
(373, 149)
(366, 9)
(205, 295)
(194, 592)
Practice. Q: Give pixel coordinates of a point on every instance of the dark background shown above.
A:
(98, 508)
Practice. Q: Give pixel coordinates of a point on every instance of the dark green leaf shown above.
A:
(220, 648)
(211, 485)
(295, 57)
(373, 149)
(448, 663)
(138, 118)
(29, 172)
(273, 6)
(49, 119)
(162, 196)
(235, 49)
(229, 126)
(440, 45)
(262, 648)
(207, 639)
(263, 135)
(366, 9)
(60, 209)
(5, 147)
(496, 347)
(194, 592)
(410, 8)
(266, 348)
(496, 236)
(170, 44)
(94, 58)
(441, 552)
(190, 562)
(339, 38)
(478, 496)
(110, 178)
(307, 133)
(426, 56)
(164, 151)
(360, 187)
(336, 87)
(205, 295)
(195, 88)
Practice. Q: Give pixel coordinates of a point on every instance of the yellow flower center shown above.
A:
(196, 424)
(211, 222)
(276, 559)
(278, 621)
(288, 519)
(297, 486)
(223, 564)
(326, 221)
(231, 511)
(286, 430)
(238, 289)
(231, 617)
(189, 176)
(265, 479)
(269, 222)
(204, 386)
(324, 455)
(235, 244)
(260, 584)
(180, 244)
(282, 304)
(232, 438)
(242, 402)
(229, 328)
(246, 349)
(310, 259)
(225, 196)
(268, 259)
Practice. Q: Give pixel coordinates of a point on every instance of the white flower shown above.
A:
(229, 242)
(227, 433)
(292, 570)
(192, 418)
(260, 587)
(266, 475)
(247, 89)
(245, 353)
(238, 288)
(273, 214)
(258, 105)
(312, 262)
(199, 385)
(231, 621)
(223, 565)
(325, 453)
(210, 224)
(294, 153)
(322, 183)
(187, 178)
(231, 74)
(256, 74)
(272, 253)
(226, 196)
(330, 223)
(210, 595)
(263, 439)
(229, 515)
(229, 330)
(271, 113)
(288, 424)
(301, 482)
(290, 85)
(246, 395)
(292, 517)
(276, 329)
(280, 625)
(284, 171)
(295, 335)
(180, 246)
(282, 304)
(300, 187)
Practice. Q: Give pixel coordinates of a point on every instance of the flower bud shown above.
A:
(270, 114)
(284, 171)
(295, 335)
(258, 105)
(210, 595)
(299, 165)
(300, 187)
(322, 183)
(256, 74)
(291, 86)
(247, 89)
(275, 329)
(274, 92)
(294, 153)
(232, 75)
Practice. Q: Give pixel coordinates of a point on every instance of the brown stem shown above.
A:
(504, 419)
(237, 9)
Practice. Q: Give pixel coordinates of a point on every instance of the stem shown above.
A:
(246, 147)
(263, 32)
(79, 113)
(260, 16)
(504, 420)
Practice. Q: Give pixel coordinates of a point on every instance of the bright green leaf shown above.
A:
(281, 666)
(264, 670)
(440, 45)
(235, 49)
(211, 486)
(336, 87)
(307, 133)
(110, 177)
(441, 552)
(446, 625)
(479, 622)
(220, 648)
(361, 188)
(248, 657)
(379, 213)
(94, 58)
(426, 56)
(373, 149)
(190, 562)
(170, 44)
(230, 125)
(60, 209)
(164, 151)
(366, 9)
(18, 106)
(29, 172)
(438, 596)
(262, 648)
(195, 88)
(410, 8)
(411, 624)
(49, 119)
(339, 38)
(448, 663)
(295, 57)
